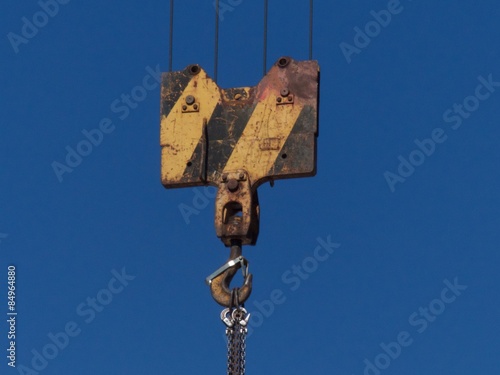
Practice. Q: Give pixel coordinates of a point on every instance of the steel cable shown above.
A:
(171, 36)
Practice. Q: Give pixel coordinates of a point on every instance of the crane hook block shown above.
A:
(268, 131)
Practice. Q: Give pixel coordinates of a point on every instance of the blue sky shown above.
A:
(386, 262)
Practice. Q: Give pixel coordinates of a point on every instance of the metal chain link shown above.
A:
(236, 332)
(243, 347)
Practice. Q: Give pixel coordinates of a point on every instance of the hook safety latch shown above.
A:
(231, 263)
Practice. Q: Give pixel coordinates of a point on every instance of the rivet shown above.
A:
(278, 99)
(190, 99)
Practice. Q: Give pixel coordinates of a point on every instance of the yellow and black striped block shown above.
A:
(268, 130)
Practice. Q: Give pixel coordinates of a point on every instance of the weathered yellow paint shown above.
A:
(264, 137)
(181, 132)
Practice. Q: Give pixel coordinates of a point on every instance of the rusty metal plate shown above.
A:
(268, 130)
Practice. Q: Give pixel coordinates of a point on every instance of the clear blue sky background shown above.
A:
(396, 250)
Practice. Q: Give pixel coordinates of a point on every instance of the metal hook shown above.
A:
(219, 281)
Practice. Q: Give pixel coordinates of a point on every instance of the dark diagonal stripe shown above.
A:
(224, 131)
(299, 151)
(173, 85)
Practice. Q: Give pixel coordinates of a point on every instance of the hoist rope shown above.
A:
(266, 10)
(216, 47)
(311, 20)
(266, 17)
(171, 35)
(216, 53)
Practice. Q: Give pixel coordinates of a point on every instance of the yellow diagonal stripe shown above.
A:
(181, 132)
(263, 137)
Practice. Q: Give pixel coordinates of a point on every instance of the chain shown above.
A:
(236, 350)
(236, 321)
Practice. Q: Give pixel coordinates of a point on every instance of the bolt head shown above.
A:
(224, 177)
(233, 185)
(290, 98)
(190, 99)
(184, 107)
(285, 92)
(241, 176)
(195, 107)
(278, 99)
